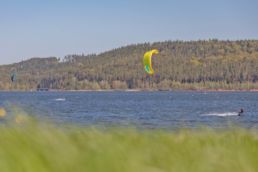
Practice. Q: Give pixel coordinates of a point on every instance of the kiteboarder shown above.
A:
(240, 112)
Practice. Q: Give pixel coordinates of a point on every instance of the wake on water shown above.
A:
(60, 99)
(224, 114)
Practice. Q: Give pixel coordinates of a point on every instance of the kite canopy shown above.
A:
(147, 61)
(13, 77)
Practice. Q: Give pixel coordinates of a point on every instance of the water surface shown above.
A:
(179, 109)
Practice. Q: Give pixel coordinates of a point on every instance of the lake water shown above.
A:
(182, 109)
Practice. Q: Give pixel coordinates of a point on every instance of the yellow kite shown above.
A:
(147, 61)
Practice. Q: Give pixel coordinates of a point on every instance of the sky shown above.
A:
(44, 28)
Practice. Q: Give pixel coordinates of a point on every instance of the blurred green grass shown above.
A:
(33, 146)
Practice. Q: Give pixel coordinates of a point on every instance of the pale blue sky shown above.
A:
(42, 28)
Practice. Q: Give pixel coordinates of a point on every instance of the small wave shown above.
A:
(221, 114)
(60, 99)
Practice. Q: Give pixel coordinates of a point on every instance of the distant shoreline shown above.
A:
(139, 90)
(158, 90)
(155, 90)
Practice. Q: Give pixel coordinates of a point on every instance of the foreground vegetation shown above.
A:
(210, 64)
(33, 146)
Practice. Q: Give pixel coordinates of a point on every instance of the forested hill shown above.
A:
(209, 64)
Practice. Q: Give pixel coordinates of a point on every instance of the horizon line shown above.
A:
(134, 44)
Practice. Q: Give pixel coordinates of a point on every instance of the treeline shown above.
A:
(211, 64)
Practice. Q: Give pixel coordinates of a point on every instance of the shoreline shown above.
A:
(140, 90)
(156, 90)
